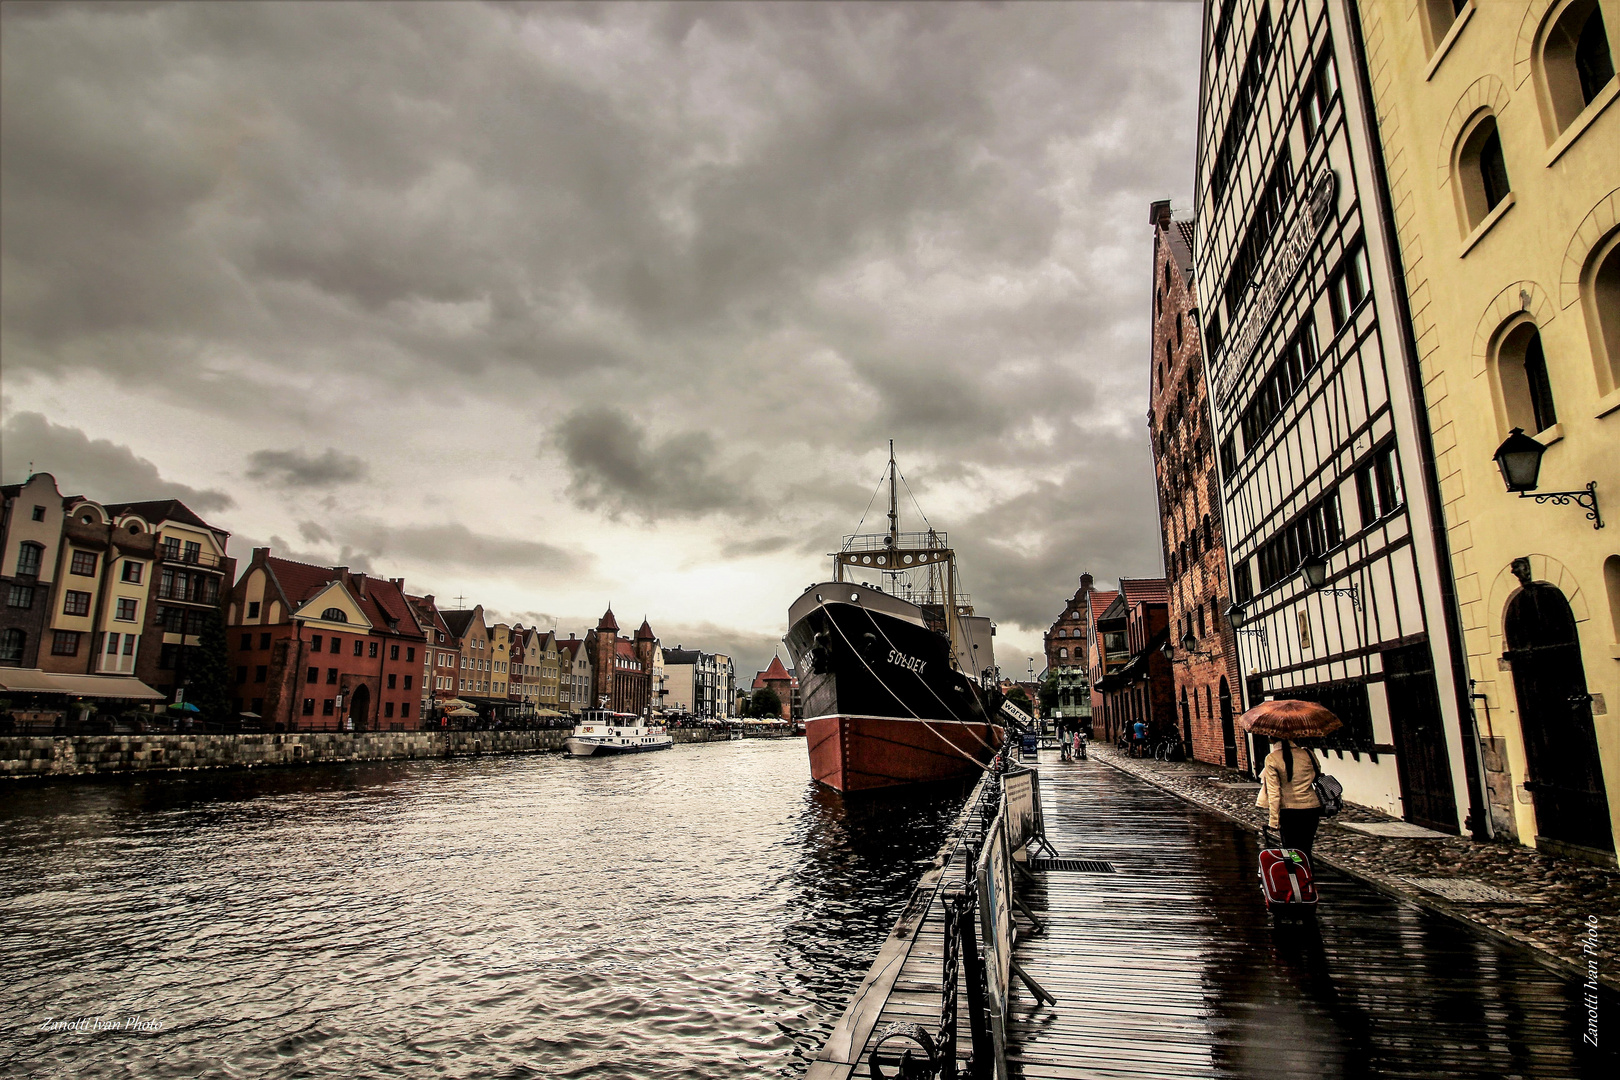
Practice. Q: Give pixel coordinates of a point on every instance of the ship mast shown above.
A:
(892, 560)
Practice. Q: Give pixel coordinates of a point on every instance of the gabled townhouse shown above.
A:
(318, 648)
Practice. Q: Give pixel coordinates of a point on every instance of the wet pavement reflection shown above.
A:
(1172, 966)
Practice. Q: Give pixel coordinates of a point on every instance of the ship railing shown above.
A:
(880, 541)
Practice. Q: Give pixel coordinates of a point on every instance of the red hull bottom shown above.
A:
(859, 753)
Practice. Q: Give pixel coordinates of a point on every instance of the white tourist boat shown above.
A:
(600, 733)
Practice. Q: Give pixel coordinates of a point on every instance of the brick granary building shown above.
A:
(318, 648)
(1203, 648)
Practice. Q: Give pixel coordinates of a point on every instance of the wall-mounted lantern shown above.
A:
(1313, 568)
(1519, 459)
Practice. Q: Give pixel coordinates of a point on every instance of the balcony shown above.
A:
(179, 557)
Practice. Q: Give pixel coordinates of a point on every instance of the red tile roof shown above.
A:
(608, 622)
(383, 604)
(1145, 590)
(774, 672)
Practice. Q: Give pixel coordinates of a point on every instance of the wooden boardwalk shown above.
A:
(1170, 966)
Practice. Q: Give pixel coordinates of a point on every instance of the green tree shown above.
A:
(1020, 697)
(1049, 692)
(208, 684)
(766, 704)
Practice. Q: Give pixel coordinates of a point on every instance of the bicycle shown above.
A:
(1168, 750)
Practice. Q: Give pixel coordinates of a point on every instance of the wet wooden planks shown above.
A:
(1172, 967)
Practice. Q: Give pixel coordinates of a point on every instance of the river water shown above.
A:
(701, 912)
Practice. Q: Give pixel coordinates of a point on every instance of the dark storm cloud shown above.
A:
(615, 467)
(298, 469)
(98, 468)
(453, 545)
(772, 233)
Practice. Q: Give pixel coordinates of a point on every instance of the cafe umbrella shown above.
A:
(1290, 719)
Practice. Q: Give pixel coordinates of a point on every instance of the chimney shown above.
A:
(1085, 582)
(341, 572)
(261, 554)
(360, 581)
(428, 599)
(1159, 213)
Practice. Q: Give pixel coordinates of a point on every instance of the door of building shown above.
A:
(359, 706)
(1228, 726)
(1555, 716)
(1421, 760)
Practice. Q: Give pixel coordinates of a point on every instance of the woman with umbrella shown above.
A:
(1290, 770)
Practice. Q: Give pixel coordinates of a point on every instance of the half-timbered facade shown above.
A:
(1318, 412)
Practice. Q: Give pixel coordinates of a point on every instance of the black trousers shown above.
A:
(1298, 827)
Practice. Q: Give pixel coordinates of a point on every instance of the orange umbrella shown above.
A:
(1290, 719)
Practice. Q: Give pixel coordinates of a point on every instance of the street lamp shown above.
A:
(1519, 459)
(1189, 649)
(1313, 568)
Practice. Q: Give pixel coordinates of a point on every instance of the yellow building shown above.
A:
(1501, 146)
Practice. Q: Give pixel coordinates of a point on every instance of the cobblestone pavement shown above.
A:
(1557, 895)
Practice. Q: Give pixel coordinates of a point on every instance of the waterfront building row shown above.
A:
(1397, 298)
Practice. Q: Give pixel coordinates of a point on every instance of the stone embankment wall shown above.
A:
(86, 755)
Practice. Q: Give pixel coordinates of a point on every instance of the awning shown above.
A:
(548, 712)
(35, 681)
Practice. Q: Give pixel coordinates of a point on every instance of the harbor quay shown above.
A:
(91, 755)
(1140, 946)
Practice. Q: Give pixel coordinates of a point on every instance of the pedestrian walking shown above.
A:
(1138, 738)
(1079, 746)
(1287, 779)
(1063, 745)
(1287, 796)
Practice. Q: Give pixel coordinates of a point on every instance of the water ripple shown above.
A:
(705, 911)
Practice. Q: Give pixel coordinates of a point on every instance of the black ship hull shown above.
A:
(883, 704)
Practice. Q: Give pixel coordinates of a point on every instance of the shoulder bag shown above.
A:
(1329, 792)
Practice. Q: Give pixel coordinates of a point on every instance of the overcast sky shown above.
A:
(562, 305)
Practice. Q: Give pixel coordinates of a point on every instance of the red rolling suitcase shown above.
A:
(1286, 879)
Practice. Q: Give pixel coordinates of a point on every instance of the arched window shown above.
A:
(1600, 291)
(29, 555)
(1575, 63)
(1481, 171)
(1611, 580)
(1438, 15)
(333, 614)
(1521, 373)
(1063, 654)
(11, 646)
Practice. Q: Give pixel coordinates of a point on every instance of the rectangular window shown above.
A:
(241, 676)
(132, 572)
(193, 551)
(39, 513)
(126, 609)
(313, 675)
(388, 709)
(391, 679)
(260, 672)
(315, 643)
(129, 644)
(393, 653)
(407, 682)
(264, 641)
(253, 609)
(65, 643)
(20, 596)
(171, 547)
(75, 602)
(84, 563)
(337, 643)
(28, 556)
(1349, 285)
(309, 706)
(410, 655)
(1319, 92)
(359, 647)
(258, 705)
(247, 642)
(327, 707)
(405, 709)
(331, 676)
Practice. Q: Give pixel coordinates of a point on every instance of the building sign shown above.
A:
(1234, 356)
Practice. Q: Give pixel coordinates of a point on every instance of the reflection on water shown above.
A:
(705, 911)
